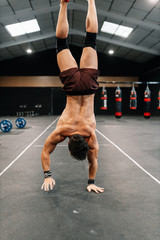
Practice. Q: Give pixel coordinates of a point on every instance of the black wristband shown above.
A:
(91, 181)
(47, 174)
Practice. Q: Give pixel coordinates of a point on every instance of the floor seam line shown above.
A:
(27, 147)
(137, 164)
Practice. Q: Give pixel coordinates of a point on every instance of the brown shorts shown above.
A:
(79, 81)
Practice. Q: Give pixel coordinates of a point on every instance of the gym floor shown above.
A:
(129, 171)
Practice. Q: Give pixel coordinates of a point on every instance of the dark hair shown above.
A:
(78, 147)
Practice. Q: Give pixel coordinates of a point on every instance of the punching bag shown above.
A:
(147, 103)
(118, 102)
(158, 107)
(104, 99)
(133, 99)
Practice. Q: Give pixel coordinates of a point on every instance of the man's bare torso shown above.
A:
(78, 116)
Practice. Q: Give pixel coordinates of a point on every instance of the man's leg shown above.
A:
(89, 54)
(64, 57)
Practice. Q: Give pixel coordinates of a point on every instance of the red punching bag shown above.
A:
(118, 102)
(158, 107)
(147, 103)
(133, 99)
(104, 99)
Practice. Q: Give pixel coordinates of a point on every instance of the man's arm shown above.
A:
(49, 146)
(93, 164)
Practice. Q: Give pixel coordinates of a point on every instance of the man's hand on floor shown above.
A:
(48, 184)
(94, 188)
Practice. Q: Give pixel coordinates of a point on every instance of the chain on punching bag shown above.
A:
(104, 99)
(133, 99)
(118, 102)
(147, 103)
(158, 107)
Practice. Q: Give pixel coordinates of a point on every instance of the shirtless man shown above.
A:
(77, 121)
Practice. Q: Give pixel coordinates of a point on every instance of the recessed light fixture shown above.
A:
(22, 28)
(109, 27)
(123, 31)
(29, 50)
(154, 1)
(111, 52)
(116, 29)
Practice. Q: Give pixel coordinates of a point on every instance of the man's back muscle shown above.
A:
(78, 116)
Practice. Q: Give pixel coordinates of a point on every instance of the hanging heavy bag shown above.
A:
(104, 99)
(118, 102)
(158, 107)
(133, 99)
(147, 103)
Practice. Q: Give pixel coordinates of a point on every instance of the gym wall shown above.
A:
(52, 98)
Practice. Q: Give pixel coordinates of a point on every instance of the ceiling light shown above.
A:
(110, 51)
(123, 31)
(109, 27)
(15, 29)
(116, 29)
(154, 1)
(30, 26)
(22, 28)
(29, 50)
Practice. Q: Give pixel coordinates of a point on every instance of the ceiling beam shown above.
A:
(129, 45)
(81, 33)
(33, 39)
(119, 43)
(28, 13)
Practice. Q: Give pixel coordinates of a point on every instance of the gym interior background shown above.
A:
(129, 153)
(52, 99)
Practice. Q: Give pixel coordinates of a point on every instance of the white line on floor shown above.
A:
(155, 179)
(27, 147)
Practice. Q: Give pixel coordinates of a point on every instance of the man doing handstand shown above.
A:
(77, 121)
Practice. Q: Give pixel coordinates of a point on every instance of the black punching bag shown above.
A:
(104, 99)
(118, 102)
(133, 99)
(158, 107)
(147, 103)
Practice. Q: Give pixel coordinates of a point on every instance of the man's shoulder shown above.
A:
(64, 130)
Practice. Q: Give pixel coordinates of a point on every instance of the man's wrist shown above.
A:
(91, 181)
(47, 174)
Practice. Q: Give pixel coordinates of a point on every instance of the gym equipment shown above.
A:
(147, 102)
(158, 107)
(133, 99)
(22, 108)
(38, 107)
(6, 125)
(104, 99)
(20, 122)
(118, 102)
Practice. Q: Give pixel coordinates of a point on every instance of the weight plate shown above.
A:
(6, 125)
(20, 122)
